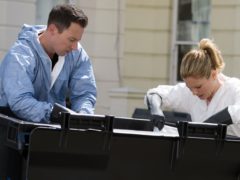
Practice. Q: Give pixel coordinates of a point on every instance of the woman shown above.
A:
(206, 94)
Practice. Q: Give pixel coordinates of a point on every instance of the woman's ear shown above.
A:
(214, 74)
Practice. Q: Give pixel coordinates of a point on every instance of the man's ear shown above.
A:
(52, 28)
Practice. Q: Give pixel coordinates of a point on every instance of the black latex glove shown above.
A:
(56, 113)
(222, 117)
(158, 121)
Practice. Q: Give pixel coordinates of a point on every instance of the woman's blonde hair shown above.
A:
(199, 62)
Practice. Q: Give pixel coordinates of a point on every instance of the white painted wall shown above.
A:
(14, 13)
(103, 40)
(129, 43)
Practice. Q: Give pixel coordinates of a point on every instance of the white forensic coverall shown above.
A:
(30, 88)
(179, 98)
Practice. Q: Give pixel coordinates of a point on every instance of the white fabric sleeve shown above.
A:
(173, 97)
(154, 102)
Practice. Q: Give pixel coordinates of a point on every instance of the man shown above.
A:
(46, 65)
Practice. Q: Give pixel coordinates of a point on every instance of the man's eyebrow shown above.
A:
(73, 39)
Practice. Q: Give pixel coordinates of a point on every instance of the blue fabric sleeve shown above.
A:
(83, 85)
(19, 90)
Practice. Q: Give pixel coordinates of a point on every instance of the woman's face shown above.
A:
(202, 87)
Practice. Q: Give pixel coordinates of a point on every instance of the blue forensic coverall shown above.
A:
(26, 79)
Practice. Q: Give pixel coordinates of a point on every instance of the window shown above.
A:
(191, 23)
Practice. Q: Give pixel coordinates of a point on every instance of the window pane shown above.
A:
(193, 20)
(193, 24)
(200, 19)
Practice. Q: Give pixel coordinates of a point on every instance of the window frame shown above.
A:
(175, 44)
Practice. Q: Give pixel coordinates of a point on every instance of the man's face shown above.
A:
(201, 87)
(68, 39)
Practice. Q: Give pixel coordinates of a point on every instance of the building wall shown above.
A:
(147, 43)
(226, 33)
(14, 14)
(129, 42)
(103, 40)
(147, 38)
